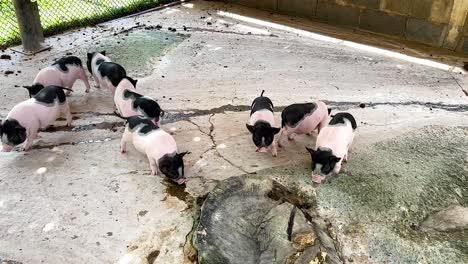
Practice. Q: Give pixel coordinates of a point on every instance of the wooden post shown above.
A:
(27, 14)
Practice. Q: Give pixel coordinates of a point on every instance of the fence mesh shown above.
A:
(58, 15)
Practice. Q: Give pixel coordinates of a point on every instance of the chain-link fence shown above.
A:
(58, 15)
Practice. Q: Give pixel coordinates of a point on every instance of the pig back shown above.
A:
(263, 115)
(336, 138)
(49, 76)
(156, 143)
(33, 115)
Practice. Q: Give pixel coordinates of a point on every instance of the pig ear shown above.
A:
(184, 153)
(103, 52)
(275, 130)
(311, 150)
(250, 128)
(334, 159)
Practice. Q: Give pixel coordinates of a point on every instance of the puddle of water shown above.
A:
(178, 191)
(113, 126)
(153, 256)
(136, 50)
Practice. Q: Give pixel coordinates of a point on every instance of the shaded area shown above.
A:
(136, 50)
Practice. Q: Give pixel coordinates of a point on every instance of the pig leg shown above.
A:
(85, 80)
(125, 139)
(97, 84)
(273, 149)
(153, 166)
(345, 158)
(32, 134)
(281, 138)
(67, 112)
(322, 124)
(337, 168)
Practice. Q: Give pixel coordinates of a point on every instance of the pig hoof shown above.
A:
(123, 152)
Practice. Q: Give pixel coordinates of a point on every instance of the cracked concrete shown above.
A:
(73, 198)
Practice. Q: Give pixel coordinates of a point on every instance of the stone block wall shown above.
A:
(438, 23)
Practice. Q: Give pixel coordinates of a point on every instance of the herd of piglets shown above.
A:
(48, 101)
(335, 132)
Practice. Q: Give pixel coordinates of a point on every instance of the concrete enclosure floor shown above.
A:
(75, 199)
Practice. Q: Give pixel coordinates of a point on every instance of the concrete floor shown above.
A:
(92, 205)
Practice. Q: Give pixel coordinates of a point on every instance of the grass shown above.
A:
(60, 15)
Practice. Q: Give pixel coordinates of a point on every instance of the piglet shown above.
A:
(262, 125)
(130, 103)
(158, 145)
(106, 74)
(26, 118)
(333, 144)
(298, 119)
(64, 73)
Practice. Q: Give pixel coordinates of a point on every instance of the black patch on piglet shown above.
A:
(90, 58)
(49, 94)
(172, 165)
(293, 114)
(34, 89)
(132, 81)
(113, 71)
(145, 124)
(12, 133)
(63, 63)
(148, 106)
(325, 158)
(261, 103)
(339, 118)
(262, 133)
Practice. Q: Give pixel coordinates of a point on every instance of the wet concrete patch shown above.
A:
(153, 256)
(113, 126)
(178, 191)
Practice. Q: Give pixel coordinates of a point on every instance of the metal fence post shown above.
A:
(27, 14)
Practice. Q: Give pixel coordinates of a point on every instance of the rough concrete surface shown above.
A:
(75, 199)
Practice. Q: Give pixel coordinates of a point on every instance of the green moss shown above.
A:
(387, 189)
(137, 50)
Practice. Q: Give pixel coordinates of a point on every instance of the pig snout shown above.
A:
(181, 181)
(262, 150)
(7, 148)
(317, 178)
